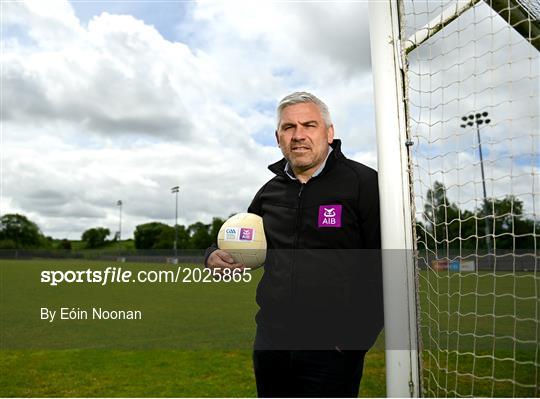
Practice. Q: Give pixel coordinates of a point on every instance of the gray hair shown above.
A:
(300, 97)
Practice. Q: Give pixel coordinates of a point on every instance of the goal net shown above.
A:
(471, 87)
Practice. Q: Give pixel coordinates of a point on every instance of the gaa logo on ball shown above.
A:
(231, 233)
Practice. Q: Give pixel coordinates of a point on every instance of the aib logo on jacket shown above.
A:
(330, 216)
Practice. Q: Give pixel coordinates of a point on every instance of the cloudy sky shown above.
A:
(477, 63)
(105, 101)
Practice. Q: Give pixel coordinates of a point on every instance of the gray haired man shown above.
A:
(320, 296)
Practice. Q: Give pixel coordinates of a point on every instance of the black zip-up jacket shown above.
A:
(322, 284)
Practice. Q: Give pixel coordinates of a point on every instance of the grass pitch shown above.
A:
(201, 337)
(480, 333)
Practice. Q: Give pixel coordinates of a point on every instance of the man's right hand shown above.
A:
(220, 259)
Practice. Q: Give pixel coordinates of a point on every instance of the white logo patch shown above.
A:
(329, 212)
(231, 234)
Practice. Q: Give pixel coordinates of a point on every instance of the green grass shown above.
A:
(153, 373)
(461, 313)
(195, 341)
(113, 373)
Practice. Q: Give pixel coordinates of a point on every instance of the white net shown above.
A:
(472, 87)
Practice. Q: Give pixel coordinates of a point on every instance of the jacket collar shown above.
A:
(279, 167)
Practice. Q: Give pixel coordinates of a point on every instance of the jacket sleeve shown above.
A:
(256, 204)
(208, 252)
(370, 224)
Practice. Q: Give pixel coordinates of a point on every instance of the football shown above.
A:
(242, 236)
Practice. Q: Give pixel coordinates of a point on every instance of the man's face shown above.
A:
(303, 136)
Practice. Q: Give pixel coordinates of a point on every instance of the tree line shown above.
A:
(156, 235)
(19, 232)
(443, 225)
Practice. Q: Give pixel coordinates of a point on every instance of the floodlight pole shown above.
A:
(119, 204)
(479, 119)
(175, 190)
(399, 282)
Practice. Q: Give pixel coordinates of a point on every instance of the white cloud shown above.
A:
(477, 63)
(112, 110)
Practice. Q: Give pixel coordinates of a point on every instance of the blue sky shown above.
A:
(165, 16)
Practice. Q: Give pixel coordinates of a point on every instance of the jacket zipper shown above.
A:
(296, 237)
(298, 209)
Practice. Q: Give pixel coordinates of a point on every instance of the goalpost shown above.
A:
(456, 86)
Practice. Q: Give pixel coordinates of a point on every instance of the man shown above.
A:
(320, 296)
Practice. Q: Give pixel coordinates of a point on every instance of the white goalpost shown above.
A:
(456, 87)
(398, 272)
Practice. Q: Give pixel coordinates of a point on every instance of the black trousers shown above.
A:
(308, 373)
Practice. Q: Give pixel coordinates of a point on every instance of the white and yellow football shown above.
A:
(242, 236)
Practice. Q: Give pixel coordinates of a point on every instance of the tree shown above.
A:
(442, 219)
(156, 235)
(95, 237)
(200, 235)
(215, 227)
(18, 231)
(511, 229)
(166, 239)
(65, 244)
(8, 244)
(449, 227)
(147, 234)
(46, 242)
